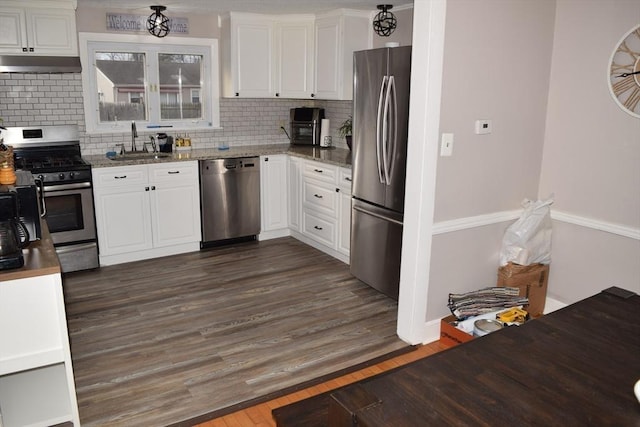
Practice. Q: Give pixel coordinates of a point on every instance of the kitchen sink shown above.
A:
(140, 156)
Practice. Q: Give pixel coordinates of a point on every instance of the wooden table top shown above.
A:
(40, 259)
(576, 366)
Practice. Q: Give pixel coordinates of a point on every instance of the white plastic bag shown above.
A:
(528, 240)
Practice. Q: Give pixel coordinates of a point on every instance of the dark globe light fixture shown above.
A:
(158, 24)
(385, 22)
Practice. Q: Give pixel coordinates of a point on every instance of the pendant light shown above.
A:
(158, 23)
(384, 22)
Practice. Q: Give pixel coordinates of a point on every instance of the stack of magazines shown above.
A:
(485, 301)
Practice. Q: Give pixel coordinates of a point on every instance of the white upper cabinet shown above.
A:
(38, 30)
(291, 56)
(267, 56)
(294, 59)
(252, 56)
(337, 36)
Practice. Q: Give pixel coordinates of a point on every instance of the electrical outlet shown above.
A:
(282, 124)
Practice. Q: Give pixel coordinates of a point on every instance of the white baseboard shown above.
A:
(148, 254)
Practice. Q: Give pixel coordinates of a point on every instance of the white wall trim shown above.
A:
(609, 227)
(459, 224)
(475, 221)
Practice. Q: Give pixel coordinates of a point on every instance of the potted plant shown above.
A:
(346, 130)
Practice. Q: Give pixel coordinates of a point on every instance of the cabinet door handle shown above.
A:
(153, 187)
(237, 93)
(317, 228)
(317, 196)
(30, 49)
(121, 177)
(348, 179)
(173, 172)
(24, 49)
(318, 170)
(146, 188)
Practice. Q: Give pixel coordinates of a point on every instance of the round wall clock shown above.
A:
(624, 72)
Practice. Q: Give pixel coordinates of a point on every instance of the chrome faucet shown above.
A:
(153, 145)
(134, 135)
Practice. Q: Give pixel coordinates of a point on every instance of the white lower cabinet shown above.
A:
(295, 193)
(36, 376)
(274, 196)
(325, 202)
(145, 211)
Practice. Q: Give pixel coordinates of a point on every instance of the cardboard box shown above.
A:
(450, 335)
(532, 282)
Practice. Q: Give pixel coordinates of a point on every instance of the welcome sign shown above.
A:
(138, 24)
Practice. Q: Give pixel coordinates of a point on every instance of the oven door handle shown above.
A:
(43, 206)
(62, 187)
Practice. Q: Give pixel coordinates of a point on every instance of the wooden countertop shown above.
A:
(40, 259)
(336, 156)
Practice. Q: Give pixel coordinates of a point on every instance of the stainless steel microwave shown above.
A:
(305, 125)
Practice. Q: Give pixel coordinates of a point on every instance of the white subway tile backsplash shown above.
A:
(45, 99)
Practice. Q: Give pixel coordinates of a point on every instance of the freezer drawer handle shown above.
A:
(366, 212)
(317, 196)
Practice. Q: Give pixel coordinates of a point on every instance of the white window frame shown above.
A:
(209, 93)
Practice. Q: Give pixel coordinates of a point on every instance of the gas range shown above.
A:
(52, 155)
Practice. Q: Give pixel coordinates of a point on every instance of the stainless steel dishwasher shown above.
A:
(229, 199)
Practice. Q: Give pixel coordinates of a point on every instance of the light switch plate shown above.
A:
(446, 146)
(483, 127)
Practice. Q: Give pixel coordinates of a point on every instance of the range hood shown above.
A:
(39, 64)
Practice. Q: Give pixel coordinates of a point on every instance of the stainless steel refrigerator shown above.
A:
(380, 126)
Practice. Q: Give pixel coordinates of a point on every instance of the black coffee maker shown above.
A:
(13, 233)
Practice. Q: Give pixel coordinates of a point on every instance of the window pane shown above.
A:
(121, 86)
(179, 75)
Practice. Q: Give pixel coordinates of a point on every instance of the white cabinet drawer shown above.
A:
(119, 176)
(344, 180)
(320, 171)
(319, 229)
(319, 197)
(173, 172)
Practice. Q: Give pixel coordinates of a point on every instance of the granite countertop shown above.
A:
(40, 259)
(335, 156)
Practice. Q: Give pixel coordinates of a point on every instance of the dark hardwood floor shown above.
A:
(162, 341)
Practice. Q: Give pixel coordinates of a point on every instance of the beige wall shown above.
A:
(525, 65)
(496, 66)
(592, 153)
(497, 59)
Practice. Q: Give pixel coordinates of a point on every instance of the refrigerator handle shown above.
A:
(379, 119)
(393, 123)
(386, 125)
(376, 215)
